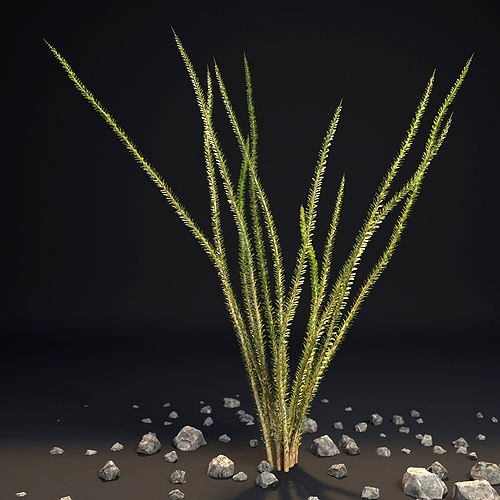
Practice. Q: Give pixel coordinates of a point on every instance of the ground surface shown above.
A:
(46, 384)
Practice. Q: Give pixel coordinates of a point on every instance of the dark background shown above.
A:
(92, 246)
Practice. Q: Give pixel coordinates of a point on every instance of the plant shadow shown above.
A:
(297, 483)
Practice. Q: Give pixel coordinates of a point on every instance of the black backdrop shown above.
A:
(90, 243)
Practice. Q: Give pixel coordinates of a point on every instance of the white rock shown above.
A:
(474, 490)
(404, 430)
(361, 427)
(178, 477)
(166, 405)
(324, 400)
(265, 466)
(348, 408)
(438, 469)
(480, 437)
(91, 452)
(419, 420)
(422, 484)
(406, 451)
(66, 498)
(426, 440)
(397, 420)
(149, 444)
(220, 467)
(56, 451)
(338, 425)
(370, 492)
(240, 476)
(438, 450)
(189, 439)
(253, 443)
(460, 442)
(109, 472)
(206, 409)
(20, 494)
(415, 413)
(135, 407)
(224, 438)
(309, 426)
(231, 403)
(479, 415)
(494, 420)
(171, 457)
(383, 451)
(376, 419)
(173, 414)
(146, 420)
(348, 445)
(461, 450)
(117, 447)
(208, 422)
(175, 495)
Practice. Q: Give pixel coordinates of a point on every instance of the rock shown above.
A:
(309, 426)
(480, 437)
(240, 476)
(479, 415)
(149, 444)
(178, 477)
(220, 467)
(370, 492)
(419, 420)
(348, 445)
(20, 494)
(146, 420)
(324, 447)
(240, 412)
(171, 457)
(246, 418)
(382, 435)
(494, 420)
(266, 479)
(208, 422)
(175, 495)
(56, 451)
(383, 452)
(166, 405)
(338, 471)
(189, 439)
(397, 420)
(462, 450)
(253, 443)
(338, 425)
(486, 470)
(167, 422)
(231, 403)
(439, 470)
(376, 419)
(91, 452)
(472, 455)
(404, 430)
(361, 427)
(135, 406)
(479, 489)
(460, 442)
(422, 484)
(224, 438)
(347, 408)
(426, 440)
(415, 413)
(109, 472)
(406, 451)
(117, 447)
(206, 409)
(437, 450)
(419, 436)
(173, 415)
(324, 400)
(65, 498)
(265, 466)
(312, 498)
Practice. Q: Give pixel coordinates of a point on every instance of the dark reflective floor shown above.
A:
(47, 380)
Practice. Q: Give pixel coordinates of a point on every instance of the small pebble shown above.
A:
(397, 420)
(20, 494)
(407, 451)
(265, 466)
(494, 420)
(109, 472)
(146, 420)
(479, 415)
(224, 438)
(91, 452)
(324, 400)
(361, 427)
(461, 450)
(175, 495)
(480, 437)
(208, 422)
(266, 479)
(404, 430)
(419, 436)
(460, 442)
(438, 450)
(171, 457)
(376, 419)
(246, 418)
(166, 405)
(231, 403)
(348, 408)
(117, 447)
(240, 476)
(254, 443)
(472, 455)
(206, 409)
(167, 422)
(426, 440)
(173, 414)
(135, 406)
(370, 493)
(419, 420)
(66, 498)
(383, 452)
(382, 435)
(439, 470)
(56, 451)
(415, 413)
(178, 477)
(337, 471)
(338, 425)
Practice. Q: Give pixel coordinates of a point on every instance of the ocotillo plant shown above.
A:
(263, 313)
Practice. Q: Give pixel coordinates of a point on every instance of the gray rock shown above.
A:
(109, 472)
(324, 447)
(117, 447)
(397, 420)
(382, 435)
(419, 420)
(324, 400)
(266, 479)
(240, 476)
(486, 470)
(460, 442)
(220, 467)
(406, 451)
(426, 440)
(20, 494)
(415, 413)
(146, 420)
(149, 444)
(135, 406)
(439, 470)
(361, 427)
(376, 419)
(480, 437)
(208, 422)
(91, 452)
(438, 450)
(338, 425)
(171, 457)
(173, 414)
(419, 436)
(56, 451)
(309, 426)
(206, 409)
(348, 408)
(370, 493)
(178, 477)
(265, 466)
(337, 471)
(231, 403)
(167, 422)
(246, 418)
(494, 420)
(166, 405)
(175, 495)
(422, 484)
(312, 498)
(348, 445)
(253, 443)
(240, 412)
(224, 438)
(66, 498)
(383, 451)
(479, 415)
(479, 489)
(472, 455)
(461, 450)
(404, 430)
(189, 439)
